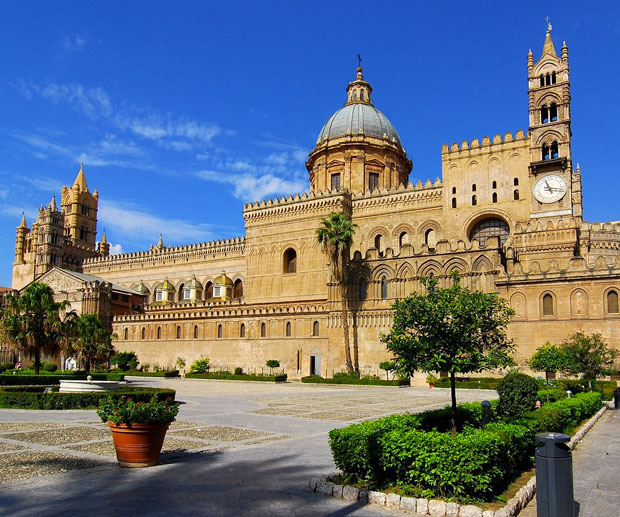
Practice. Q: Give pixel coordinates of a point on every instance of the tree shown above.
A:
(548, 358)
(31, 322)
(335, 234)
(589, 356)
(91, 341)
(125, 360)
(449, 329)
(388, 366)
(271, 364)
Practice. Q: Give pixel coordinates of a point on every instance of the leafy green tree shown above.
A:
(91, 341)
(125, 360)
(201, 365)
(548, 358)
(271, 364)
(589, 356)
(449, 329)
(31, 322)
(388, 366)
(335, 234)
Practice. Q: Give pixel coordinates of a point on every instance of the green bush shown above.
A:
(200, 366)
(125, 360)
(346, 375)
(6, 366)
(517, 394)
(316, 379)
(50, 367)
(233, 377)
(473, 383)
(555, 394)
(36, 398)
(54, 379)
(162, 373)
(566, 414)
(238, 370)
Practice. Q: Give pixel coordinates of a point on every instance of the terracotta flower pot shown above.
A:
(138, 445)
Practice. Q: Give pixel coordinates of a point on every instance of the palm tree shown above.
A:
(335, 234)
(91, 340)
(31, 322)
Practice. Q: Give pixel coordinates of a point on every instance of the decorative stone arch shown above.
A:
(611, 302)
(238, 286)
(579, 303)
(481, 265)
(473, 220)
(424, 235)
(456, 264)
(519, 305)
(400, 230)
(548, 98)
(429, 268)
(549, 136)
(548, 309)
(405, 270)
(290, 260)
(382, 270)
(378, 230)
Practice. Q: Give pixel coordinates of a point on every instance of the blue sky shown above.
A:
(183, 111)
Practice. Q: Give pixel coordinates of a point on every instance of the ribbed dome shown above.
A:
(356, 119)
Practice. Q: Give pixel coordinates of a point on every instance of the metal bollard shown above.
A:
(554, 476)
(486, 412)
(617, 398)
(569, 393)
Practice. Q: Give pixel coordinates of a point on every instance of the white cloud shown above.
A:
(116, 249)
(132, 221)
(75, 42)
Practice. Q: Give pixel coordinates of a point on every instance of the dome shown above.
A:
(165, 286)
(193, 284)
(141, 288)
(223, 280)
(359, 118)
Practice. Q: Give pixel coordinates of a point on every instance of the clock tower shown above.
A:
(556, 187)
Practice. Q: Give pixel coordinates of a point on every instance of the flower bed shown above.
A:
(35, 397)
(167, 373)
(418, 454)
(232, 377)
(315, 379)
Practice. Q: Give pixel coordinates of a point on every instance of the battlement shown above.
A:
(537, 225)
(297, 204)
(486, 144)
(188, 253)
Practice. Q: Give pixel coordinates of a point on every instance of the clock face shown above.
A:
(550, 188)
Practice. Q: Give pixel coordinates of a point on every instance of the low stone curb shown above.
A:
(434, 507)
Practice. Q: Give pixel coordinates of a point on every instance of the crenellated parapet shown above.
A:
(420, 195)
(156, 256)
(487, 145)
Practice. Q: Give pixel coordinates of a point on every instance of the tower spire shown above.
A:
(548, 47)
(80, 180)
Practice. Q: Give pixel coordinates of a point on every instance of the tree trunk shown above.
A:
(37, 361)
(345, 326)
(453, 395)
(547, 385)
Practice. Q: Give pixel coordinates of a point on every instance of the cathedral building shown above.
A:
(507, 215)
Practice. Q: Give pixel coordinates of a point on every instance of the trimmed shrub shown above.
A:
(238, 370)
(316, 379)
(50, 367)
(517, 394)
(555, 394)
(163, 373)
(54, 379)
(233, 377)
(36, 398)
(483, 383)
(566, 414)
(200, 366)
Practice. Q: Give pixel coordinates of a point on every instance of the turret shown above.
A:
(80, 209)
(20, 240)
(104, 246)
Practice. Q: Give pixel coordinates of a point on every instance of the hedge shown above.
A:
(35, 397)
(420, 454)
(233, 377)
(51, 379)
(484, 383)
(315, 379)
(167, 373)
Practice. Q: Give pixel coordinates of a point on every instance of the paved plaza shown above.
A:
(235, 449)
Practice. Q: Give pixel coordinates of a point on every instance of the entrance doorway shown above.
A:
(315, 364)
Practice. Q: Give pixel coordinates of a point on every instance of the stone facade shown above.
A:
(507, 216)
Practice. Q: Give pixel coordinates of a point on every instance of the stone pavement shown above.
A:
(235, 473)
(596, 471)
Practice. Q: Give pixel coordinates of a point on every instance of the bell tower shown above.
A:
(80, 209)
(556, 188)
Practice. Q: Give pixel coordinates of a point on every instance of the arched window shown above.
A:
(544, 114)
(242, 330)
(290, 261)
(545, 152)
(363, 289)
(195, 331)
(263, 330)
(454, 190)
(158, 332)
(354, 95)
(474, 200)
(494, 197)
(453, 202)
(403, 239)
(288, 329)
(612, 302)
(362, 94)
(542, 80)
(143, 333)
(473, 187)
(209, 290)
(553, 78)
(219, 331)
(178, 332)
(515, 182)
(238, 288)
(379, 244)
(495, 184)
(430, 239)
(516, 194)
(490, 228)
(553, 112)
(547, 308)
(126, 334)
(182, 292)
(555, 152)
(384, 288)
(315, 328)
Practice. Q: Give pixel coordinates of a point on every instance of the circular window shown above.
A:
(491, 227)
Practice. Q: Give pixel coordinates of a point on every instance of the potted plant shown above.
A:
(432, 380)
(138, 428)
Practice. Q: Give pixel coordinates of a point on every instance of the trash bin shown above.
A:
(486, 412)
(617, 398)
(554, 476)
